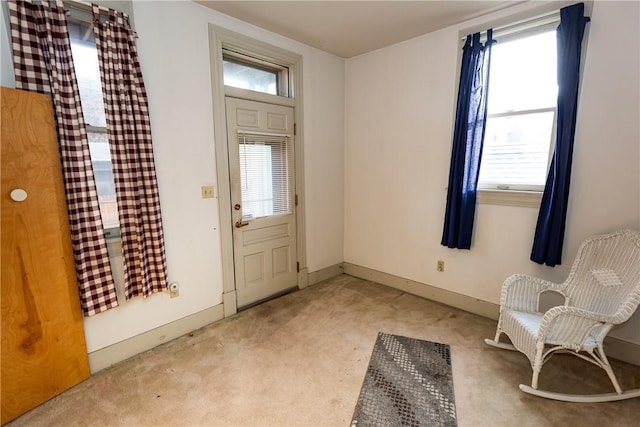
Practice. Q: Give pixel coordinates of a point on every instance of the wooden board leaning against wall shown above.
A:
(43, 343)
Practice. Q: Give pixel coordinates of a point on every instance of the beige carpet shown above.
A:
(300, 360)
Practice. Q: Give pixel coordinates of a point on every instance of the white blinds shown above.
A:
(266, 174)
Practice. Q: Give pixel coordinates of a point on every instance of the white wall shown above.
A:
(174, 53)
(606, 166)
(324, 160)
(173, 49)
(400, 105)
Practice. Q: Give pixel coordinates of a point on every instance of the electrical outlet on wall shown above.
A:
(174, 289)
(440, 266)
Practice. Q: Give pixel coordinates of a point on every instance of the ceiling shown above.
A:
(351, 28)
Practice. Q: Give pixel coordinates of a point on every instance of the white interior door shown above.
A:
(261, 166)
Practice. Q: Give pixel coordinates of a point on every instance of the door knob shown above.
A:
(18, 195)
(240, 224)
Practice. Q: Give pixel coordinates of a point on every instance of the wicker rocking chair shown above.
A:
(601, 291)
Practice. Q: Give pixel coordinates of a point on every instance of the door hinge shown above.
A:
(295, 200)
(295, 128)
(298, 267)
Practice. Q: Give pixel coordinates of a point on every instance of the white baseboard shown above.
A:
(325, 273)
(622, 350)
(230, 303)
(108, 356)
(615, 348)
(453, 299)
(303, 278)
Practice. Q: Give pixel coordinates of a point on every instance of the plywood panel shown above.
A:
(43, 344)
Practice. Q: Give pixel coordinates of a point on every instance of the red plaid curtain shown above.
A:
(43, 63)
(129, 132)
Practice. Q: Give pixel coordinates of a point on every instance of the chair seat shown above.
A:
(529, 321)
(523, 330)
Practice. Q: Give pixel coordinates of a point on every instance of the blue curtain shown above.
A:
(549, 236)
(468, 136)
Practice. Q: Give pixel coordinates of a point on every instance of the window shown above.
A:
(246, 72)
(522, 100)
(249, 76)
(85, 58)
(266, 184)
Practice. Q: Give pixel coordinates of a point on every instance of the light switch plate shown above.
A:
(207, 191)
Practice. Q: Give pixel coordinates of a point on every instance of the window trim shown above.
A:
(84, 12)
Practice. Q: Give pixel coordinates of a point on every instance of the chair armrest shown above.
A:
(570, 326)
(520, 292)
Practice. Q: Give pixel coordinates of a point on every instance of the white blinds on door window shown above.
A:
(266, 174)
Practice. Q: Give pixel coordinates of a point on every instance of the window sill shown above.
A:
(523, 199)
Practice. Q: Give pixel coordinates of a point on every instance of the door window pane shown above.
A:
(265, 176)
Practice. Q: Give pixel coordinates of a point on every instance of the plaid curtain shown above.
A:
(43, 63)
(129, 132)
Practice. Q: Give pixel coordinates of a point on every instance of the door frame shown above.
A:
(220, 38)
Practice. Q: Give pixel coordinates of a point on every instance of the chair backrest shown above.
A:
(605, 276)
